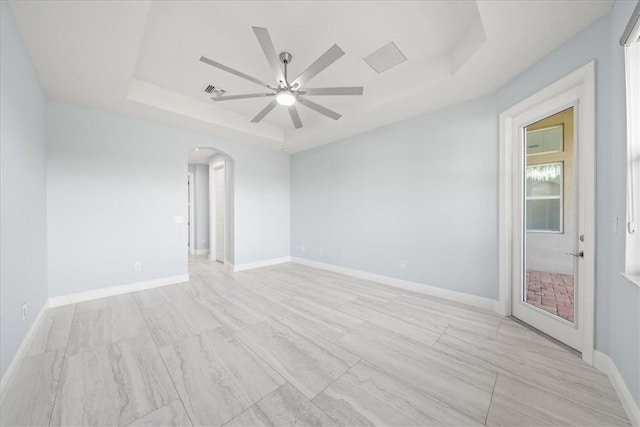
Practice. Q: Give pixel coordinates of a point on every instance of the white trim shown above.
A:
(22, 350)
(192, 216)
(258, 264)
(460, 297)
(117, 290)
(582, 82)
(202, 251)
(608, 366)
(633, 278)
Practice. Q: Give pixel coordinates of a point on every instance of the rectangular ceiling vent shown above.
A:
(214, 91)
(386, 57)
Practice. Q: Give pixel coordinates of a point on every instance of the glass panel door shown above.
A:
(550, 217)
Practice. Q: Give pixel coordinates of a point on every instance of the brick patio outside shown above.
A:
(551, 292)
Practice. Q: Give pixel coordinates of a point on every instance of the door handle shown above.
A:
(578, 255)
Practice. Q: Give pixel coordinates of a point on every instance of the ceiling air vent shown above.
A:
(214, 91)
(386, 57)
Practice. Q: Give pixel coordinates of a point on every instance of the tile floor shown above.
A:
(551, 292)
(289, 344)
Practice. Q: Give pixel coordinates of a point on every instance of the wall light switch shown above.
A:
(137, 266)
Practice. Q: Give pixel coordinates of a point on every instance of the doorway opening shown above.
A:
(547, 203)
(210, 185)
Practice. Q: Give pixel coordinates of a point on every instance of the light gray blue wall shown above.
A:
(624, 301)
(423, 190)
(23, 254)
(115, 185)
(617, 300)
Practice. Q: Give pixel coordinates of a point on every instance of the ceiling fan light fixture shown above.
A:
(285, 97)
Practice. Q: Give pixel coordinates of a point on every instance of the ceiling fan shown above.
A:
(289, 93)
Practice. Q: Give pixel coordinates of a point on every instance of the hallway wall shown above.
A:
(23, 211)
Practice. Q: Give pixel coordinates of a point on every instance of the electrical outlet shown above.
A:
(24, 310)
(137, 266)
(403, 263)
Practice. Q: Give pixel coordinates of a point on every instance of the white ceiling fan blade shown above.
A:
(295, 118)
(232, 71)
(327, 58)
(352, 90)
(266, 110)
(269, 52)
(249, 95)
(319, 108)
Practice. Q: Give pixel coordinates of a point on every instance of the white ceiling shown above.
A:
(201, 156)
(140, 58)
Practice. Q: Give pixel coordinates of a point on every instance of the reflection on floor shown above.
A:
(551, 292)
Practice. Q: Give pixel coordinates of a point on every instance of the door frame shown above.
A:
(213, 200)
(581, 85)
(192, 223)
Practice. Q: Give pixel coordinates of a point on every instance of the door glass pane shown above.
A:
(549, 216)
(544, 180)
(545, 140)
(543, 215)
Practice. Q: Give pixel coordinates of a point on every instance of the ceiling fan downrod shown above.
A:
(285, 57)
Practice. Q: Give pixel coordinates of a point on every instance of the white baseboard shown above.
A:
(461, 297)
(117, 290)
(258, 264)
(202, 251)
(22, 349)
(608, 366)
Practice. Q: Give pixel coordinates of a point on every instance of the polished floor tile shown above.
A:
(435, 314)
(367, 396)
(379, 316)
(284, 407)
(231, 313)
(306, 361)
(518, 404)
(562, 374)
(31, 396)
(113, 385)
(217, 376)
(105, 321)
(295, 345)
(53, 333)
(178, 320)
(463, 386)
(162, 295)
(170, 415)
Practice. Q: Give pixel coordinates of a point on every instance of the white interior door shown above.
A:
(220, 212)
(191, 223)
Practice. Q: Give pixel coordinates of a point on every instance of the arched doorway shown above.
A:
(210, 189)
